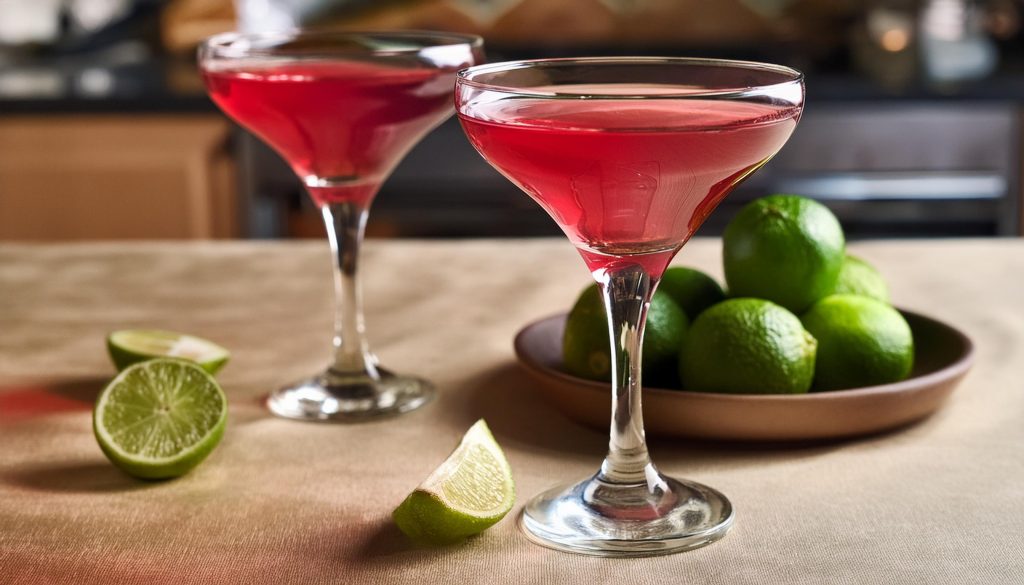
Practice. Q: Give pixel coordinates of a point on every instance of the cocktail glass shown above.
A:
(629, 156)
(342, 108)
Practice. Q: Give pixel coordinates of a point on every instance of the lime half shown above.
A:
(471, 491)
(131, 346)
(160, 418)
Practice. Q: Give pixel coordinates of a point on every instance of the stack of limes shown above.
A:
(801, 314)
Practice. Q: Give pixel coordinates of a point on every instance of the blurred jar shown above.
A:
(47, 22)
(277, 15)
(955, 46)
(25, 23)
(884, 46)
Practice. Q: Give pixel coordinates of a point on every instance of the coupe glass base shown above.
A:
(598, 518)
(335, 397)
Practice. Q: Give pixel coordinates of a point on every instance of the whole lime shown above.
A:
(586, 349)
(691, 289)
(747, 346)
(785, 249)
(861, 342)
(857, 277)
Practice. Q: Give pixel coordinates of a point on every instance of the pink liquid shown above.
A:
(627, 177)
(342, 125)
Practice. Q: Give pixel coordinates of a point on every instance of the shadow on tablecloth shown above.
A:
(519, 416)
(75, 477)
(385, 544)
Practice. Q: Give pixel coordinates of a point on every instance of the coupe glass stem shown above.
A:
(627, 294)
(346, 224)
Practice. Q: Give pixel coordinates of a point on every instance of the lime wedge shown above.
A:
(471, 491)
(131, 346)
(160, 418)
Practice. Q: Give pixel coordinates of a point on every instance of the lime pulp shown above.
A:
(471, 491)
(160, 418)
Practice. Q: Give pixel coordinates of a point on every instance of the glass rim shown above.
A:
(465, 77)
(220, 45)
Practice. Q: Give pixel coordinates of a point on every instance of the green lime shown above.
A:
(586, 349)
(857, 277)
(131, 346)
(471, 491)
(691, 289)
(861, 342)
(785, 249)
(160, 418)
(747, 346)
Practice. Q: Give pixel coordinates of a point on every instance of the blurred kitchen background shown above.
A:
(913, 125)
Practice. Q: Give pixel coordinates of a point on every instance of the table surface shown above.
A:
(281, 501)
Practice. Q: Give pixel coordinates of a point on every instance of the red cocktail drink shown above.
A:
(341, 125)
(628, 177)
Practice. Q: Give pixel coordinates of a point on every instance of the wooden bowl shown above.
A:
(942, 357)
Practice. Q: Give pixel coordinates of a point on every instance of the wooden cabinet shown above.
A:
(116, 177)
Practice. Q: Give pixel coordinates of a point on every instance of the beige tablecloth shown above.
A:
(288, 502)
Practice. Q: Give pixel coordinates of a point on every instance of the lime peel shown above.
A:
(748, 346)
(861, 342)
(131, 346)
(785, 249)
(469, 492)
(858, 277)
